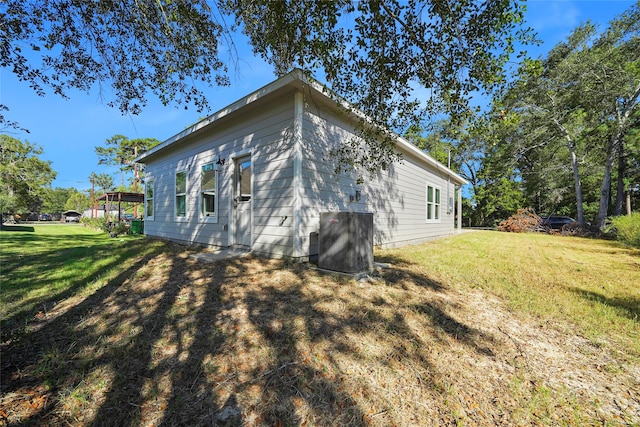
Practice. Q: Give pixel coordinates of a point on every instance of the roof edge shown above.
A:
(288, 78)
(305, 78)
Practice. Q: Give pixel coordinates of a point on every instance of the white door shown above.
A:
(242, 202)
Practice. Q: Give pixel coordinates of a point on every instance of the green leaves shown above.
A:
(24, 177)
(120, 151)
(575, 107)
(133, 46)
(399, 62)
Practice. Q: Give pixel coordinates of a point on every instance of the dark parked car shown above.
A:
(45, 217)
(556, 221)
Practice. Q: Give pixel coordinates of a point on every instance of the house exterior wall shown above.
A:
(266, 136)
(397, 197)
(290, 136)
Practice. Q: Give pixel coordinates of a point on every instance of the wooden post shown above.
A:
(93, 197)
(135, 181)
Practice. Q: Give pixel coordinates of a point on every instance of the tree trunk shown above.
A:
(622, 168)
(576, 180)
(605, 189)
(629, 202)
(576, 172)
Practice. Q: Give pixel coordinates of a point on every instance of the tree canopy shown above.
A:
(585, 96)
(134, 47)
(24, 177)
(564, 130)
(382, 56)
(120, 151)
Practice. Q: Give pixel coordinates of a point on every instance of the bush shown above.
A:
(101, 224)
(627, 229)
(524, 221)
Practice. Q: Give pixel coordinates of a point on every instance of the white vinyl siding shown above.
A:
(284, 217)
(396, 196)
(265, 133)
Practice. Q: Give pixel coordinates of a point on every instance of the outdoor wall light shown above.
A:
(221, 161)
(358, 195)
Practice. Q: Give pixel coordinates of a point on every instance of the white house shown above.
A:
(259, 172)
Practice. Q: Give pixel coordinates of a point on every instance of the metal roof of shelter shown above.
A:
(122, 197)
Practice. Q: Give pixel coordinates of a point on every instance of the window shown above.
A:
(208, 189)
(433, 204)
(148, 196)
(181, 194)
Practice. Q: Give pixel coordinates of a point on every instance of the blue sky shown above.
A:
(69, 129)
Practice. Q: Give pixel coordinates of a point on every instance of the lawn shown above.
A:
(482, 328)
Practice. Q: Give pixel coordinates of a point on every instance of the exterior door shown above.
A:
(242, 202)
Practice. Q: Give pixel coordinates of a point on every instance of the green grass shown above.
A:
(482, 328)
(590, 284)
(44, 264)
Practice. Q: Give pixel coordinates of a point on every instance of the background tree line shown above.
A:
(563, 137)
(25, 179)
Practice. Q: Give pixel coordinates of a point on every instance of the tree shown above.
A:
(55, 199)
(616, 86)
(497, 185)
(77, 201)
(434, 143)
(24, 177)
(132, 46)
(476, 151)
(631, 174)
(378, 54)
(103, 182)
(582, 96)
(120, 151)
(549, 114)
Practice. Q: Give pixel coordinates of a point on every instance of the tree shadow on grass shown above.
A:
(46, 352)
(292, 319)
(22, 228)
(36, 275)
(400, 270)
(629, 306)
(283, 318)
(170, 341)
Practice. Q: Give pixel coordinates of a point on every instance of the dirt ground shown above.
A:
(255, 342)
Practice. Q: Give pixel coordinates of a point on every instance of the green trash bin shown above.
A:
(137, 226)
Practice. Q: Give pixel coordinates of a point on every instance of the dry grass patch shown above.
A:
(260, 342)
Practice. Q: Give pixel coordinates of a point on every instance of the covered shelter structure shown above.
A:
(119, 197)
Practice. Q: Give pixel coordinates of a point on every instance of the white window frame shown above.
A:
(176, 194)
(210, 217)
(433, 208)
(149, 182)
